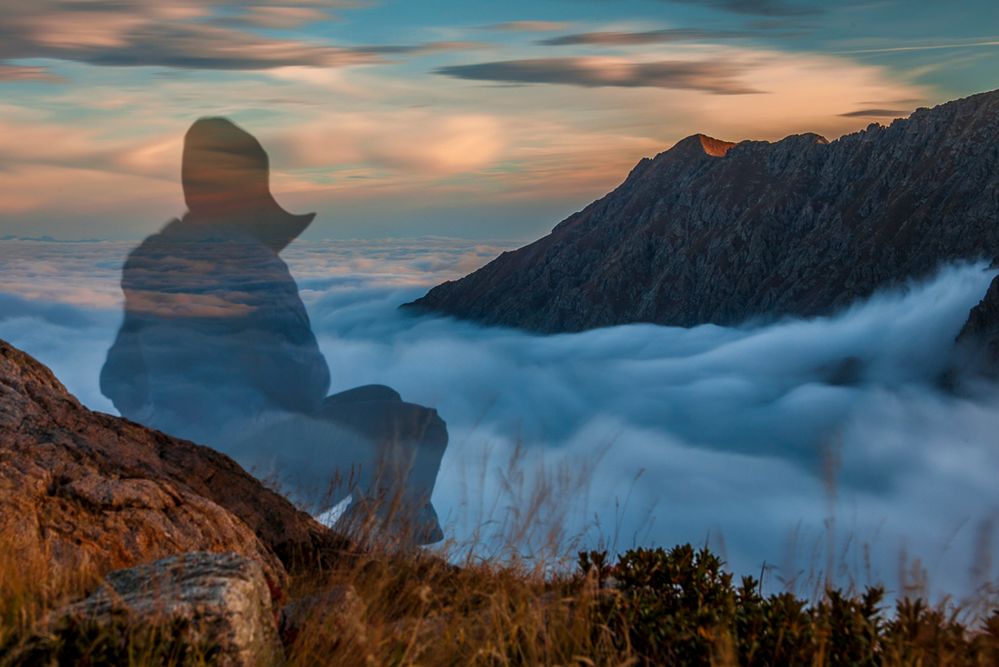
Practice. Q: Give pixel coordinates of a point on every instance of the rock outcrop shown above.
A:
(977, 354)
(711, 232)
(86, 488)
(218, 605)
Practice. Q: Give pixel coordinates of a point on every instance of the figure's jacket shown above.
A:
(214, 331)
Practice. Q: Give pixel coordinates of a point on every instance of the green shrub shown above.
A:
(679, 607)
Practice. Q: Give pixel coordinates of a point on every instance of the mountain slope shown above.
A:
(714, 232)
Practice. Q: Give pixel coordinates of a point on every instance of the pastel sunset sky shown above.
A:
(474, 119)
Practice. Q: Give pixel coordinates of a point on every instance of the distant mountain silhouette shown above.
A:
(714, 232)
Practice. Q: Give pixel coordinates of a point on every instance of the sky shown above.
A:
(410, 118)
(435, 135)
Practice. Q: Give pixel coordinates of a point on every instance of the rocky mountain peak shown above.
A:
(701, 144)
(715, 232)
(714, 147)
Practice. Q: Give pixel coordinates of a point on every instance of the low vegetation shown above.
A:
(645, 607)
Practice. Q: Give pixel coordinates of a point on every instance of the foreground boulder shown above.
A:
(713, 232)
(88, 489)
(197, 607)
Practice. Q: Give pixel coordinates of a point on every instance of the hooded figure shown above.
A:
(214, 328)
(216, 346)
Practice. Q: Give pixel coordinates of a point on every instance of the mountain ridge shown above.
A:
(712, 231)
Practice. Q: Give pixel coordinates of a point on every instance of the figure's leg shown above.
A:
(315, 462)
(407, 445)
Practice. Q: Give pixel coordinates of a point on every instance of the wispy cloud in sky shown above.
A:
(24, 73)
(971, 44)
(665, 36)
(761, 7)
(213, 35)
(529, 26)
(378, 151)
(875, 113)
(716, 77)
(495, 119)
(394, 118)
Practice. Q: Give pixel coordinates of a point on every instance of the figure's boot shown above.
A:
(408, 443)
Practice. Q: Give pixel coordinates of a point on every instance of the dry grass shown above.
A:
(413, 609)
(394, 608)
(388, 603)
(30, 585)
(392, 605)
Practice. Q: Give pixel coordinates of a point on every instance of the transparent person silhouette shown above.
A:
(216, 347)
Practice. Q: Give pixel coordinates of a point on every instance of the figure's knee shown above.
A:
(369, 392)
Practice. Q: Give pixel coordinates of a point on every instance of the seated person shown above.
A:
(216, 346)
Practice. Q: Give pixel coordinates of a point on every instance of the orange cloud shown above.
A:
(389, 142)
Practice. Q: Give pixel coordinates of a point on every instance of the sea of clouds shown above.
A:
(811, 446)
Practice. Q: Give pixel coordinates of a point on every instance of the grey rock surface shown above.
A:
(714, 232)
(221, 601)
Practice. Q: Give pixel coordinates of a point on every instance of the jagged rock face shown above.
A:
(89, 488)
(977, 353)
(709, 232)
(220, 602)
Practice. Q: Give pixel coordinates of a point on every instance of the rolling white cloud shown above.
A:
(762, 440)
